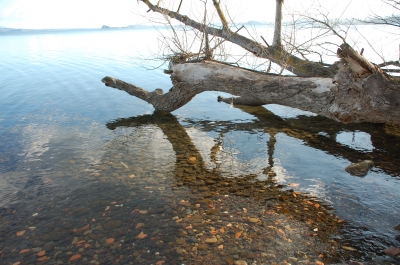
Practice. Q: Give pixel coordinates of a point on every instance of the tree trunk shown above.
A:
(358, 92)
(277, 41)
(345, 98)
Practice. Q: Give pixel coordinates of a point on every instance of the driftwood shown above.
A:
(352, 90)
(347, 97)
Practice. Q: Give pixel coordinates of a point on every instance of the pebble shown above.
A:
(142, 235)
(37, 249)
(112, 224)
(75, 257)
(23, 251)
(197, 229)
(76, 239)
(254, 220)
(240, 262)
(211, 240)
(139, 225)
(20, 233)
(392, 251)
(183, 203)
(349, 248)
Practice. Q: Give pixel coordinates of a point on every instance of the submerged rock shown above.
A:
(360, 169)
(392, 251)
(112, 224)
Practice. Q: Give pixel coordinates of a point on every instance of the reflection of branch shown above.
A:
(308, 130)
(193, 174)
(187, 155)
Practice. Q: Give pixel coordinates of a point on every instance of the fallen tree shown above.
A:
(351, 90)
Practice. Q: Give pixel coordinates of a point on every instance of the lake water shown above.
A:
(89, 174)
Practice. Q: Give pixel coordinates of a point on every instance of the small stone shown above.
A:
(24, 251)
(397, 227)
(211, 240)
(112, 224)
(36, 250)
(80, 242)
(75, 257)
(181, 241)
(41, 253)
(125, 165)
(20, 233)
(348, 248)
(143, 211)
(42, 258)
(397, 237)
(360, 169)
(87, 232)
(74, 241)
(238, 234)
(109, 240)
(183, 203)
(142, 235)
(139, 225)
(254, 220)
(268, 255)
(86, 227)
(240, 262)
(392, 251)
(203, 246)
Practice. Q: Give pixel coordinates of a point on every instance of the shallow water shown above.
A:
(81, 163)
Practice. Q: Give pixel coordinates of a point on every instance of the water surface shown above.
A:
(81, 163)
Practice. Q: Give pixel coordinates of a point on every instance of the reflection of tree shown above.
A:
(316, 132)
(308, 129)
(190, 170)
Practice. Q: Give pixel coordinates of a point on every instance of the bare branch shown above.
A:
(277, 55)
(221, 15)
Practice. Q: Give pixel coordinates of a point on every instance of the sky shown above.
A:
(52, 14)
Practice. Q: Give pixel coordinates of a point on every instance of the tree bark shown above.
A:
(277, 41)
(345, 98)
(358, 92)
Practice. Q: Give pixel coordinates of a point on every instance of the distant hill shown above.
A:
(4, 29)
(253, 22)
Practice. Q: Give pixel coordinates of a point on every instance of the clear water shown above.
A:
(71, 147)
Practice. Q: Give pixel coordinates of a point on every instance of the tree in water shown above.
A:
(352, 89)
